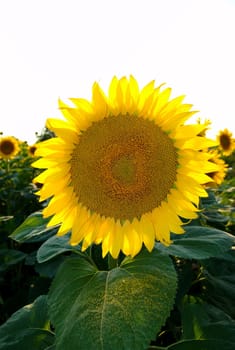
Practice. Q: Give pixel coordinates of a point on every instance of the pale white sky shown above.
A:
(58, 48)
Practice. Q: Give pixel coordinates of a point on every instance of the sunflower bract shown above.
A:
(123, 170)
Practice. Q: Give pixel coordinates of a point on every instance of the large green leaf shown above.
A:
(28, 328)
(220, 282)
(49, 268)
(34, 229)
(208, 344)
(202, 345)
(204, 321)
(123, 308)
(211, 214)
(55, 246)
(199, 242)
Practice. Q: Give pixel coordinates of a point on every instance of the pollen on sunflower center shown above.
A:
(123, 166)
(124, 170)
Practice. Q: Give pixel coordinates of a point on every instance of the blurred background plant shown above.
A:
(18, 276)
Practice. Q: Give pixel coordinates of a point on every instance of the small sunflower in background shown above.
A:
(219, 175)
(9, 147)
(226, 142)
(123, 169)
(32, 150)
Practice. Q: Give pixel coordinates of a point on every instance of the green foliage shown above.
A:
(199, 243)
(17, 192)
(220, 282)
(197, 345)
(205, 321)
(9, 257)
(55, 246)
(28, 328)
(18, 278)
(118, 309)
(33, 229)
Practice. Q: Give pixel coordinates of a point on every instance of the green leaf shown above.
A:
(49, 268)
(9, 257)
(55, 246)
(34, 229)
(205, 321)
(51, 347)
(220, 282)
(28, 328)
(123, 308)
(201, 345)
(199, 242)
(6, 218)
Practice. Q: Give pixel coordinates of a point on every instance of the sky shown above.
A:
(52, 49)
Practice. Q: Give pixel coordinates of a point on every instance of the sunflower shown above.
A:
(219, 175)
(123, 169)
(32, 150)
(226, 142)
(9, 147)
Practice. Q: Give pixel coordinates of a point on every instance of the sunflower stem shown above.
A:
(112, 263)
(8, 167)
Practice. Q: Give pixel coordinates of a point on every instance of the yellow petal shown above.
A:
(81, 218)
(145, 95)
(59, 202)
(88, 231)
(197, 176)
(196, 143)
(187, 131)
(170, 122)
(61, 216)
(100, 102)
(108, 239)
(188, 184)
(62, 129)
(148, 233)
(67, 224)
(162, 232)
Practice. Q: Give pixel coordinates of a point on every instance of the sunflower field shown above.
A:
(117, 228)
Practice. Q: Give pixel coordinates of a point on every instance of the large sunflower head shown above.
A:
(226, 142)
(123, 169)
(9, 147)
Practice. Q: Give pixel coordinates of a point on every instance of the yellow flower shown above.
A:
(9, 147)
(32, 150)
(123, 168)
(226, 142)
(219, 175)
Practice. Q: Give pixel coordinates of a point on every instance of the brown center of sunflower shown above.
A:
(32, 150)
(123, 167)
(225, 142)
(7, 147)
